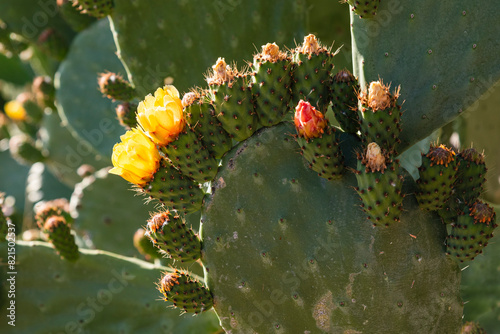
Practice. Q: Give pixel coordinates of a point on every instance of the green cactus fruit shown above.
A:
(144, 245)
(25, 150)
(312, 73)
(200, 115)
(437, 176)
(272, 82)
(188, 154)
(34, 112)
(185, 292)
(125, 112)
(59, 234)
(173, 189)
(318, 141)
(53, 43)
(73, 16)
(381, 122)
(365, 8)
(344, 96)
(470, 175)
(170, 234)
(379, 186)
(471, 327)
(44, 91)
(95, 8)
(115, 87)
(57, 207)
(233, 100)
(470, 234)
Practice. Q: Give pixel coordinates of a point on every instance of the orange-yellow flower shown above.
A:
(310, 123)
(15, 110)
(135, 158)
(160, 116)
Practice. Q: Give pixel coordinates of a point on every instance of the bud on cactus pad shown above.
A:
(125, 112)
(114, 87)
(344, 95)
(311, 75)
(470, 175)
(365, 8)
(470, 234)
(57, 207)
(233, 100)
(95, 8)
(60, 236)
(185, 292)
(272, 82)
(188, 154)
(173, 189)
(381, 116)
(171, 235)
(379, 186)
(200, 115)
(318, 141)
(437, 176)
(145, 246)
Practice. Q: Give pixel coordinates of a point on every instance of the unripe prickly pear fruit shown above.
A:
(144, 245)
(470, 234)
(125, 112)
(311, 75)
(381, 116)
(115, 87)
(365, 8)
(185, 292)
(57, 207)
(95, 8)
(437, 176)
(24, 150)
(318, 141)
(272, 82)
(233, 100)
(379, 186)
(200, 115)
(59, 234)
(471, 327)
(344, 95)
(170, 234)
(77, 20)
(44, 91)
(470, 175)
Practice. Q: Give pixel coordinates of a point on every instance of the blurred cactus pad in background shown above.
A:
(234, 166)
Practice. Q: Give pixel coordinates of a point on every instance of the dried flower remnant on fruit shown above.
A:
(168, 281)
(310, 45)
(374, 159)
(271, 52)
(482, 212)
(189, 98)
(309, 122)
(471, 154)
(221, 73)
(441, 155)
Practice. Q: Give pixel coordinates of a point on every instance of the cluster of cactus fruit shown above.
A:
(177, 145)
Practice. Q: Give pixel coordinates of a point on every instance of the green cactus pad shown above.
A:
(272, 84)
(200, 115)
(171, 235)
(311, 74)
(380, 188)
(185, 292)
(323, 154)
(472, 231)
(437, 176)
(102, 292)
(470, 175)
(381, 116)
(95, 8)
(174, 190)
(234, 106)
(188, 154)
(114, 87)
(312, 263)
(59, 234)
(344, 96)
(366, 9)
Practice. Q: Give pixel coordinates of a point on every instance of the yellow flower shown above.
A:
(15, 110)
(160, 116)
(136, 158)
